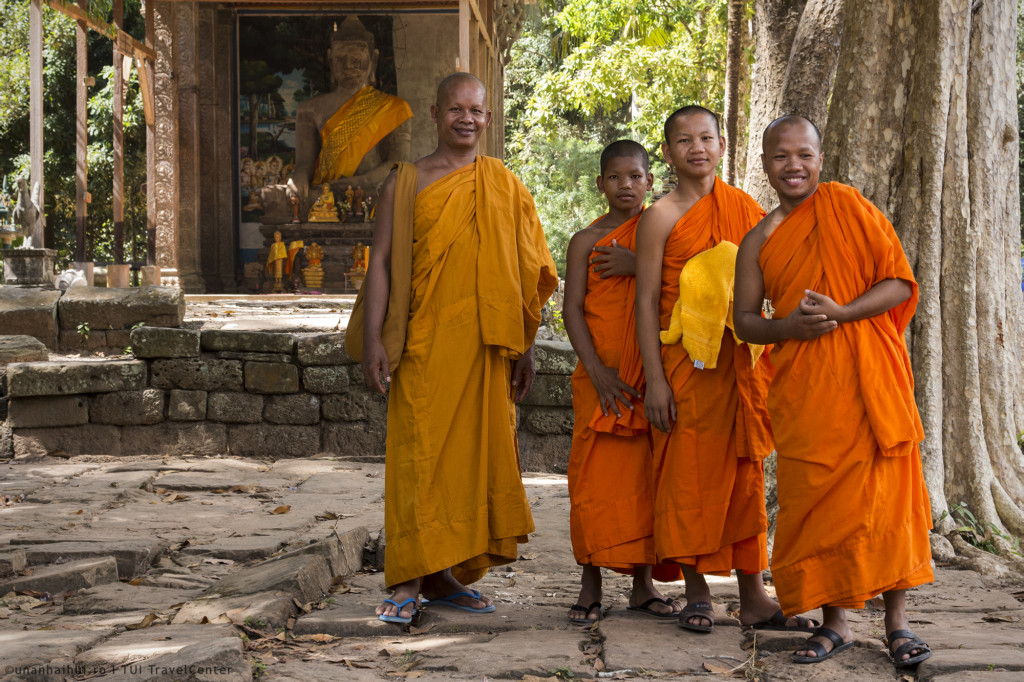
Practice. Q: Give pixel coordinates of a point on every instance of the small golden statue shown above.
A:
(360, 259)
(275, 262)
(313, 274)
(324, 210)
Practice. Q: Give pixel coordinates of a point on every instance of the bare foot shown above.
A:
(835, 620)
(442, 584)
(644, 592)
(590, 594)
(403, 592)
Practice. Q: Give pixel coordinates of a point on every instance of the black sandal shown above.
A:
(778, 622)
(820, 654)
(905, 648)
(586, 610)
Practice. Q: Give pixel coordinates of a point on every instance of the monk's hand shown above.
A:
(805, 325)
(611, 390)
(660, 406)
(814, 303)
(375, 366)
(523, 371)
(608, 261)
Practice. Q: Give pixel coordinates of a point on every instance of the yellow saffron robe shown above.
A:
(853, 507)
(481, 271)
(356, 128)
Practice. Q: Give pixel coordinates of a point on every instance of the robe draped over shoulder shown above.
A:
(853, 508)
(364, 120)
(453, 493)
(611, 486)
(709, 507)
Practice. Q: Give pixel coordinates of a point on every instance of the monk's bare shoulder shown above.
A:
(587, 238)
(764, 228)
(661, 217)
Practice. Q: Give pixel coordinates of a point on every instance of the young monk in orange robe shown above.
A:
(610, 474)
(711, 429)
(853, 508)
(480, 271)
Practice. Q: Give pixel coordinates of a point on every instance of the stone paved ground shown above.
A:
(221, 569)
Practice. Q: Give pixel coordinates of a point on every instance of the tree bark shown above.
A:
(927, 130)
(796, 46)
(733, 66)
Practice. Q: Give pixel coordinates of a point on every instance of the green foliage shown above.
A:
(585, 73)
(980, 534)
(59, 128)
(635, 62)
(83, 331)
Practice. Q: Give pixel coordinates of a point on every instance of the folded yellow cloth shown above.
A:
(704, 308)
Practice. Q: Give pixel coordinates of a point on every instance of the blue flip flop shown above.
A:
(450, 601)
(399, 619)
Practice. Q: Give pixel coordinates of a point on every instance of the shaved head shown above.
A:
(621, 148)
(445, 87)
(785, 122)
(690, 110)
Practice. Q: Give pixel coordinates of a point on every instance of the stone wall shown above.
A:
(257, 394)
(88, 319)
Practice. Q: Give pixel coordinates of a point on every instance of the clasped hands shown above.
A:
(815, 316)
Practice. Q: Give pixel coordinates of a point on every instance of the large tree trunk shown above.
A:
(927, 130)
(733, 68)
(796, 45)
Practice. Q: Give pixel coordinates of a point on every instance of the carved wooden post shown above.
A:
(81, 132)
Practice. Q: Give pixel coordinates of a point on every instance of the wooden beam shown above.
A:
(78, 13)
(464, 38)
(481, 24)
(81, 134)
(35, 106)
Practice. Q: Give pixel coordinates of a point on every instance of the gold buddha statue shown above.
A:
(324, 210)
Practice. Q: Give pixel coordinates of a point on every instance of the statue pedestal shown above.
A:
(28, 267)
(119, 276)
(336, 240)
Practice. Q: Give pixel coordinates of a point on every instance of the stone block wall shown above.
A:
(240, 393)
(88, 319)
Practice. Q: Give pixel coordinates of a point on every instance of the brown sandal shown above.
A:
(703, 609)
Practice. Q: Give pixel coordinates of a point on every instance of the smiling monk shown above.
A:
(705, 391)
(456, 280)
(853, 508)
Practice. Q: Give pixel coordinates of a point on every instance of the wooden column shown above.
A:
(81, 133)
(117, 200)
(35, 98)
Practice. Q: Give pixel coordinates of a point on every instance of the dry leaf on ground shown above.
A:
(144, 623)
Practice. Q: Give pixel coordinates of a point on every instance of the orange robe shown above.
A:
(364, 120)
(853, 508)
(481, 271)
(611, 487)
(709, 508)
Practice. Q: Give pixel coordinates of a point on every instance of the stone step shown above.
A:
(68, 577)
(12, 560)
(26, 379)
(133, 557)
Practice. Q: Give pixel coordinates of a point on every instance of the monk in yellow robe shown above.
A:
(710, 422)
(610, 474)
(465, 284)
(853, 508)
